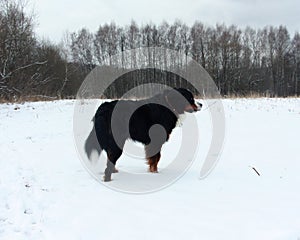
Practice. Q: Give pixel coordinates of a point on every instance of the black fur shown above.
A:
(162, 109)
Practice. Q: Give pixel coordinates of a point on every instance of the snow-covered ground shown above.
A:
(46, 193)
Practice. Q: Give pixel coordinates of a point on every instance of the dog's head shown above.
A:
(181, 100)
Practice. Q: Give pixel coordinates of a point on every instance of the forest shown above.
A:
(242, 61)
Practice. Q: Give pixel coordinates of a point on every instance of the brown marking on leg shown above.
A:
(153, 157)
(153, 161)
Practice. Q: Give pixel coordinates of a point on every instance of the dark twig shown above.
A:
(256, 171)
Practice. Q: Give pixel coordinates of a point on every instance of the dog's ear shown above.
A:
(175, 100)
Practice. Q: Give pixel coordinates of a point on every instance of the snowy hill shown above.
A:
(46, 193)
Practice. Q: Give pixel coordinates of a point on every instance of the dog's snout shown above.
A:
(199, 106)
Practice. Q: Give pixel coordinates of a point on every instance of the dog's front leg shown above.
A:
(153, 156)
(153, 161)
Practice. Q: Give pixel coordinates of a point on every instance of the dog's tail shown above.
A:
(92, 144)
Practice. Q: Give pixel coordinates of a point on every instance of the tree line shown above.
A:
(263, 61)
(30, 68)
(241, 61)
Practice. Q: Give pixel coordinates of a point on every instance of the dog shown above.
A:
(148, 121)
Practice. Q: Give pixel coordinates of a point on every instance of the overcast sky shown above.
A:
(54, 17)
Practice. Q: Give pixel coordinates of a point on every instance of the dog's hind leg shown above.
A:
(112, 157)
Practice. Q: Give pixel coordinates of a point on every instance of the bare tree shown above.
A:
(133, 37)
(65, 51)
(17, 47)
(296, 63)
(82, 48)
(198, 43)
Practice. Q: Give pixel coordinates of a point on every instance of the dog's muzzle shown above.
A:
(194, 107)
(197, 106)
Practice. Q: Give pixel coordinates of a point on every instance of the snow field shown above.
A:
(46, 193)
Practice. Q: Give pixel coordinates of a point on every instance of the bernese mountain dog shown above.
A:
(148, 121)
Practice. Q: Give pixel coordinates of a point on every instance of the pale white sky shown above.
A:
(57, 16)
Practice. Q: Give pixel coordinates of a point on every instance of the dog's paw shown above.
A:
(153, 170)
(106, 179)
